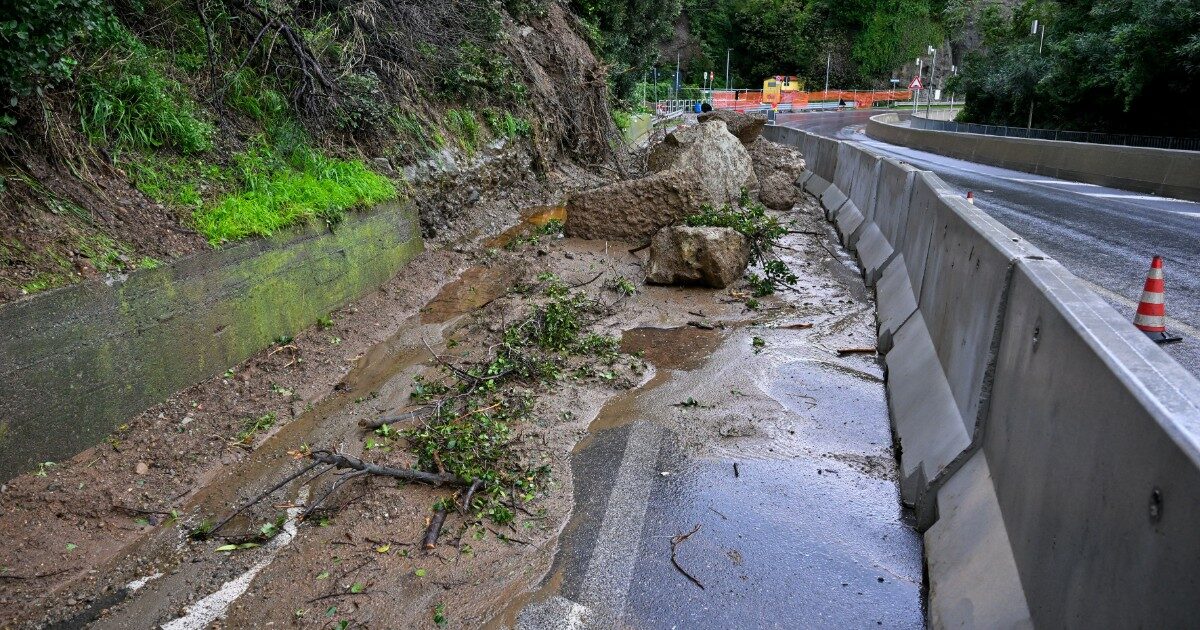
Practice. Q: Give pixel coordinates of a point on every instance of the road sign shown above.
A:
(916, 84)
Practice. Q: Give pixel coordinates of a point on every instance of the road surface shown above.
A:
(1103, 235)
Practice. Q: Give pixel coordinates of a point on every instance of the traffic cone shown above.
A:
(971, 197)
(1151, 312)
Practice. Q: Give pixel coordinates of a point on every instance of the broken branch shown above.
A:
(674, 544)
(341, 460)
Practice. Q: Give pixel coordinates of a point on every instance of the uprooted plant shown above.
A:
(460, 426)
(763, 232)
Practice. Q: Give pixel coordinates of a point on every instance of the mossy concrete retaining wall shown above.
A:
(77, 362)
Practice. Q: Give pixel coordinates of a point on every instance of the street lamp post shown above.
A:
(932, 73)
(917, 96)
(828, 60)
(1041, 41)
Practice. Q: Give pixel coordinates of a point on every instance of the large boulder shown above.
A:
(776, 167)
(746, 127)
(692, 166)
(709, 256)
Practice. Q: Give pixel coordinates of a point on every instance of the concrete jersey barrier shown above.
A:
(1051, 451)
(1166, 172)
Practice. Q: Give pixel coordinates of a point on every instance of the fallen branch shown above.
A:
(797, 326)
(466, 503)
(435, 528)
(674, 544)
(844, 351)
(639, 248)
(341, 460)
(416, 414)
(260, 497)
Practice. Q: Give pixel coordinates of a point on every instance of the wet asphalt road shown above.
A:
(1103, 235)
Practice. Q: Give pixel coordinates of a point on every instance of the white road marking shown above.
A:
(133, 586)
(213, 607)
(605, 584)
(1051, 181)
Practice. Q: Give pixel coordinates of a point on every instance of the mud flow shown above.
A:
(721, 466)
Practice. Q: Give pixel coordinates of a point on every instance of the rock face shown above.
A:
(709, 256)
(692, 166)
(745, 126)
(776, 167)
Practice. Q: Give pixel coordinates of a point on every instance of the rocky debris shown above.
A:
(776, 166)
(692, 166)
(746, 127)
(709, 256)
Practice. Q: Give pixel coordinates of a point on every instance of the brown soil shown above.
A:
(79, 536)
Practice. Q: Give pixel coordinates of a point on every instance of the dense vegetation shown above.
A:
(866, 39)
(1107, 65)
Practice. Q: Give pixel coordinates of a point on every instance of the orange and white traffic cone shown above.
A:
(971, 197)
(1151, 315)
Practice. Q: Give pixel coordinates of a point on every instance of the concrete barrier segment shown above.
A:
(816, 185)
(893, 190)
(962, 294)
(804, 175)
(832, 197)
(874, 252)
(925, 417)
(826, 157)
(1093, 443)
(848, 220)
(895, 301)
(972, 576)
(844, 172)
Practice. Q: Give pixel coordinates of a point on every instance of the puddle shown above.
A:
(476, 287)
(683, 348)
(667, 349)
(531, 218)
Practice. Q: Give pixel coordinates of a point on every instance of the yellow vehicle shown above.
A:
(775, 87)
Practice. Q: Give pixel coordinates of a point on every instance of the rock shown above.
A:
(709, 256)
(776, 167)
(142, 468)
(746, 127)
(692, 166)
(382, 164)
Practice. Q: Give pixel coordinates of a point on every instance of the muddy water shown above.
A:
(531, 218)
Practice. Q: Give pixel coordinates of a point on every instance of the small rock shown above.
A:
(142, 468)
(383, 164)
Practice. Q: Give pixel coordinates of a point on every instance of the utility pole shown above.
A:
(932, 72)
(727, 83)
(1034, 31)
(828, 60)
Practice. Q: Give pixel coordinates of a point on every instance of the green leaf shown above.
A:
(419, 572)
(356, 588)
(322, 575)
(71, 546)
(226, 548)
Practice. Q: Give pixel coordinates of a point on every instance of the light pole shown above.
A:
(932, 72)
(727, 83)
(828, 60)
(1034, 31)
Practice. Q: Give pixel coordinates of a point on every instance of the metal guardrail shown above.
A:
(1157, 142)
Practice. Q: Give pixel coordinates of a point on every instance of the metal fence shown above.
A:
(1157, 142)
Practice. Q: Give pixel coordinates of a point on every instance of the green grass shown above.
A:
(128, 100)
(506, 124)
(278, 195)
(465, 127)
